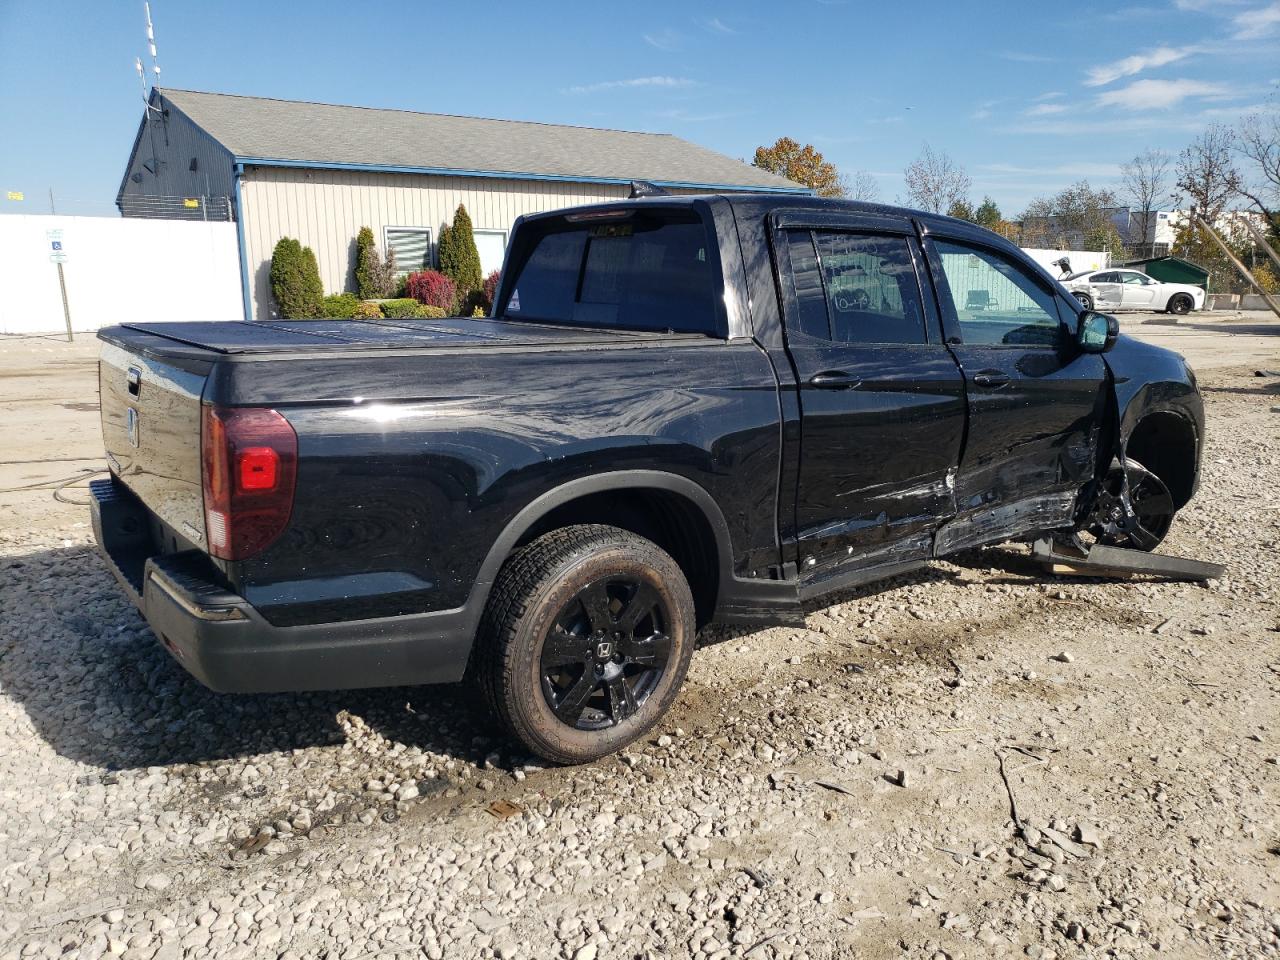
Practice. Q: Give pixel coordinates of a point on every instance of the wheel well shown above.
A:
(1165, 444)
(670, 520)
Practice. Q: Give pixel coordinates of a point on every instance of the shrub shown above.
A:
(341, 306)
(489, 291)
(435, 313)
(477, 312)
(432, 288)
(375, 278)
(367, 310)
(295, 280)
(460, 260)
(403, 309)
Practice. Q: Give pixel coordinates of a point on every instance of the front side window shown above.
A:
(647, 271)
(856, 288)
(995, 301)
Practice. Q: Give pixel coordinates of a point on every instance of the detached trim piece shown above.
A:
(1100, 560)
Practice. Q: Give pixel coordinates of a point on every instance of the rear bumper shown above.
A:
(222, 641)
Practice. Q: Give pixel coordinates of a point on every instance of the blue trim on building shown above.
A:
(237, 173)
(241, 162)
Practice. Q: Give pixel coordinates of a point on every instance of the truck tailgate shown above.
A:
(151, 429)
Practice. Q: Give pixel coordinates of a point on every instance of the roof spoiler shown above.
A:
(643, 188)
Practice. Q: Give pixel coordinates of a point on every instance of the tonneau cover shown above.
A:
(292, 336)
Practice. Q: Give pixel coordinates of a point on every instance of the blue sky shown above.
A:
(1028, 97)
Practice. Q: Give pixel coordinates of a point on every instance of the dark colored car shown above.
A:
(682, 410)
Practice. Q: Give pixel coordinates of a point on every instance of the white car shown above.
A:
(1112, 289)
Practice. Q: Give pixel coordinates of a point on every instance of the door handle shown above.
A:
(991, 378)
(834, 380)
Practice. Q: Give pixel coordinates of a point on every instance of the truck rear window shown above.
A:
(647, 271)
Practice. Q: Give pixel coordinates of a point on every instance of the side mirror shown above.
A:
(1096, 332)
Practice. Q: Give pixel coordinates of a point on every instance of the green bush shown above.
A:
(295, 280)
(460, 260)
(368, 310)
(435, 313)
(340, 306)
(403, 309)
(375, 278)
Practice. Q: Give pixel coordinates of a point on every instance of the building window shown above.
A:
(492, 246)
(411, 246)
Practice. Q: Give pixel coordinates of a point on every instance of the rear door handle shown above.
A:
(834, 380)
(991, 378)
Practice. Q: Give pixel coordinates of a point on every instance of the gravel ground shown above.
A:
(825, 792)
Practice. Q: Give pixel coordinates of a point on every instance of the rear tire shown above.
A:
(585, 642)
(1180, 304)
(1086, 301)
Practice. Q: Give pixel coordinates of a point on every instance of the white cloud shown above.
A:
(1107, 72)
(1059, 170)
(983, 110)
(1160, 94)
(666, 82)
(667, 40)
(1256, 24)
(1051, 95)
(1046, 109)
(716, 25)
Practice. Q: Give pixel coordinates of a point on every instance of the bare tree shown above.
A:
(860, 185)
(1207, 176)
(935, 182)
(1259, 144)
(1145, 180)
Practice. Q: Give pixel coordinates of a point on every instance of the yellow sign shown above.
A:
(191, 202)
(16, 195)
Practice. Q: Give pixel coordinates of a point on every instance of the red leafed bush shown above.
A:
(433, 288)
(489, 290)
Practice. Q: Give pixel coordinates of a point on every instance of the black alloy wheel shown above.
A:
(605, 653)
(1180, 305)
(1152, 505)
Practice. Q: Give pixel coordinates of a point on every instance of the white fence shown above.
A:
(1080, 259)
(116, 270)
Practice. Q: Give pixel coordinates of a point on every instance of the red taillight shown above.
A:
(250, 462)
(257, 468)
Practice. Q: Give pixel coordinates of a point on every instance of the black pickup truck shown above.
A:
(682, 410)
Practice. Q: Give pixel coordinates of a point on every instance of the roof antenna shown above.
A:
(643, 188)
(151, 42)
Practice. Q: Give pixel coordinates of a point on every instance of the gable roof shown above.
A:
(296, 133)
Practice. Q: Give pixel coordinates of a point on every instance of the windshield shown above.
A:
(641, 270)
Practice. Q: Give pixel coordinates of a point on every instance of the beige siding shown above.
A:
(177, 142)
(324, 209)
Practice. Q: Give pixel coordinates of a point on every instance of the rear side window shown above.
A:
(856, 288)
(649, 271)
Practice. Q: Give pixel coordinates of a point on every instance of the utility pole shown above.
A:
(1244, 271)
(1260, 240)
(51, 207)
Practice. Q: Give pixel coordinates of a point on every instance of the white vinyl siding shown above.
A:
(325, 209)
(412, 247)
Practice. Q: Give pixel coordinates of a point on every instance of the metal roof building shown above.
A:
(319, 172)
